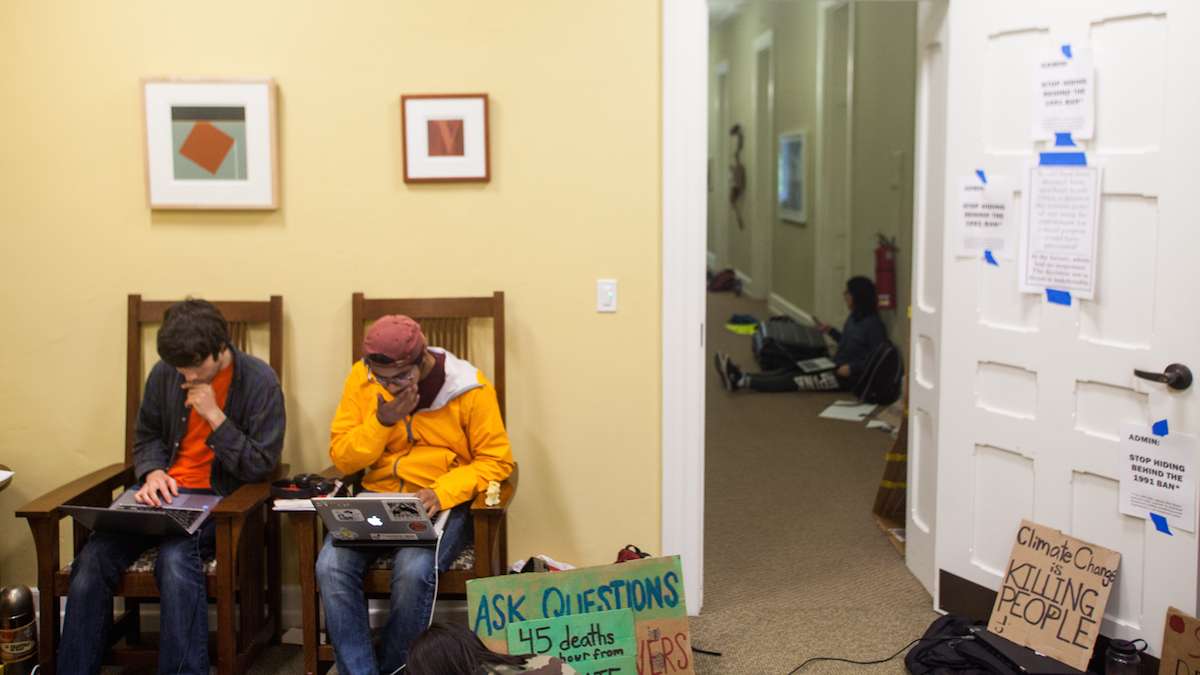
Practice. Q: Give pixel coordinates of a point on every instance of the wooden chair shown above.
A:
(244, 583)
(446, 323)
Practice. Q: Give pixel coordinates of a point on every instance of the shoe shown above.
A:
(731, 375)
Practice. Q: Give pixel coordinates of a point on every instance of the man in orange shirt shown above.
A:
(211, 419)
(416, 419)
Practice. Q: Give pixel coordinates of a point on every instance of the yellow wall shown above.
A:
(574, 196)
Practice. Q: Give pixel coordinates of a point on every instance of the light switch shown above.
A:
(606, 295)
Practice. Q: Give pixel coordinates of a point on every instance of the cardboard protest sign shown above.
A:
(583, 640)
(651, 589)
(1053, 594)
(1181, 645)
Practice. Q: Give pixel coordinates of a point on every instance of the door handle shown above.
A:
(1176, 376)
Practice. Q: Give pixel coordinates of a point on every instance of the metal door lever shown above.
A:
(1176, 376)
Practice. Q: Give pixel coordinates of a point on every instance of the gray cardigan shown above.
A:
(247, 445)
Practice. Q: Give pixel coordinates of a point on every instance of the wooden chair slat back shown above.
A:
(238, 313)
(446, 323)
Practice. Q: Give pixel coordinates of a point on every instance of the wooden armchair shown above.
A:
(244, 583)
(446, 323)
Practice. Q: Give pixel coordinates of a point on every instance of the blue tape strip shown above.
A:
(991, 260)
(1160, 524)
(1058, 297)
(982, 176)
(1062, 139)
(1062, 159)
(1066, 50)
(1160, 428)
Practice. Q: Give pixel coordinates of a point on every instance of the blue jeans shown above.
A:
(340, 572)
(183, 597)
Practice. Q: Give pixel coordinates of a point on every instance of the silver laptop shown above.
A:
(182, 517)
(379, 519)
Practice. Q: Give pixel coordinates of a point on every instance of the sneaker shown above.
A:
(730, 374)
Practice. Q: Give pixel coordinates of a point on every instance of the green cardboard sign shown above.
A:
(624, 665)
(578, 640)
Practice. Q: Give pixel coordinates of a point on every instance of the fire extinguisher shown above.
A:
(885, 272)
(18, 632)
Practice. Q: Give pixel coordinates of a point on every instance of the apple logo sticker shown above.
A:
(375, 521)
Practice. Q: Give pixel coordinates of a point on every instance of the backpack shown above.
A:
(779, 342)
(882, 380)
(725, 280)
(943, 651)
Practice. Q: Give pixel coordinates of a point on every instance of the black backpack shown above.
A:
(948, 647)
(882, 380)
(779, 342)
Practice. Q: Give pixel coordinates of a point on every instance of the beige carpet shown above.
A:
(794, 565)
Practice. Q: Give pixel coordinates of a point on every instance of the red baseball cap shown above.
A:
(395, 337)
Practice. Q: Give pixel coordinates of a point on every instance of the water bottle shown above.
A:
(1123, 657)
(18, 634)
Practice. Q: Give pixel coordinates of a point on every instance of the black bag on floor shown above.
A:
(882, 380)
(779, 342)
(944, 651)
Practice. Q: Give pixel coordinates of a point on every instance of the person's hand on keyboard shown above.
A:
(157, 488)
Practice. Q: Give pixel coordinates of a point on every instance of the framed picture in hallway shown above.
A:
(790, 177)
(445, 138)
(211, 144)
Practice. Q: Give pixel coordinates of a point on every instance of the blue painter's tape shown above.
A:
(982, 176)
(991, 259)
(1160, 428)
(1062, 139)
(1062, 159)
(1058, 297)
(1160, 524)
(1066, 50)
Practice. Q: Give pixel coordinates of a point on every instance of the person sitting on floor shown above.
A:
(451, 649)
(861, 335)
(417, 419)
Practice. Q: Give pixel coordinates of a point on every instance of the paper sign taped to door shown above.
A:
(1053, 594)
(985, 221)
(1061, 231)
(1181, 644)
(1064, 92)
(1158, 476)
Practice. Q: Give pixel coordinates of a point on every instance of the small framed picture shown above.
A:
(445, 138)
(790, 175)
(211, 144)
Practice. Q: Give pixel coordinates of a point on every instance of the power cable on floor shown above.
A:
(878, 661)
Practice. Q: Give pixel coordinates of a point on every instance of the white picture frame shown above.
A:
(445, 138)
(211, 144)
(791, 198)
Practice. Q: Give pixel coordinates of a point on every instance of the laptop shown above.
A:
(1023, 658)
(385, 519)
(182, 517)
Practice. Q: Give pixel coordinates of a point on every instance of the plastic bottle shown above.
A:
(1123, 657)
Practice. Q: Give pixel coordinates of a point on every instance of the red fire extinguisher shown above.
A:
(885, 272)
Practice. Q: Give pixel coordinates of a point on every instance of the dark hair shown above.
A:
(451, 649)
(862, 290)
(192, 331)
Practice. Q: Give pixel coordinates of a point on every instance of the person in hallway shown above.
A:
(416, 419)
(861, 335)
(211, 420)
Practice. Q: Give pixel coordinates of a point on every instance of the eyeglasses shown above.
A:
(408, 376)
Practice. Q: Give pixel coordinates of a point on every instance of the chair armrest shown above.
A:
(101, 481)
(508, 490)
(247, 499)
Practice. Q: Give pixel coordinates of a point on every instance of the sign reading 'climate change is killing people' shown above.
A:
(651, 588)
(1181, 645)
(1053, 594)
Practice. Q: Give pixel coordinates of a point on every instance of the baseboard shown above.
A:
(964, 597)
(778, 305)
(743, 277)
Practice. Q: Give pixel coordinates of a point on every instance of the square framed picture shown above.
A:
(790, 177)
(211, 144)
(445, 138)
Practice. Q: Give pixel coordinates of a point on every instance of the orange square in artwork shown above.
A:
(207, 146)
(446, 138)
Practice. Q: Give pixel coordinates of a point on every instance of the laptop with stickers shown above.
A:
(382, 519)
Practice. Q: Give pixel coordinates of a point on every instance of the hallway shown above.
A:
(795, 566)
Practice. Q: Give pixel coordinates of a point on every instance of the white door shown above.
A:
(1030, 395)
(928, 216)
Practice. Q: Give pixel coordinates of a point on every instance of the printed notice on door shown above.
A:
(1060, 233)
(1158, 476)
(1053, 594)
(1064, 93)
(985, 217)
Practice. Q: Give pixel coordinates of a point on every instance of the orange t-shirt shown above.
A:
(193, 464)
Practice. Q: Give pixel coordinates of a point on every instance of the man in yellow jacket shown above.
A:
(417, 419)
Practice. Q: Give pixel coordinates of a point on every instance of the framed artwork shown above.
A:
(211, 144)
(445, 138)
(790, 178)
